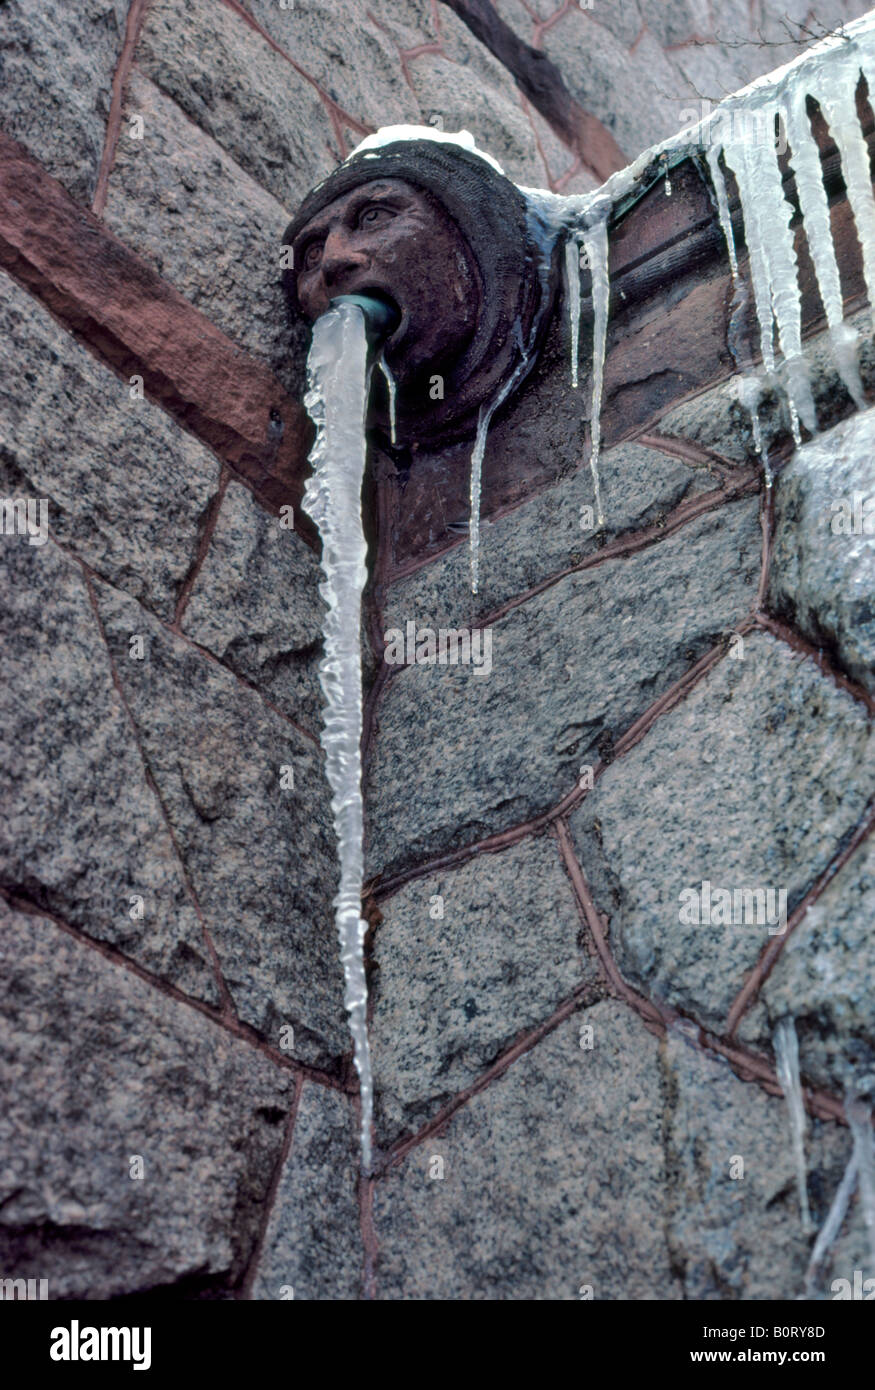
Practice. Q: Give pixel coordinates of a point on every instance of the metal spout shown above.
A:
(381, 316)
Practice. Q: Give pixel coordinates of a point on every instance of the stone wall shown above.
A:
(565, 1072)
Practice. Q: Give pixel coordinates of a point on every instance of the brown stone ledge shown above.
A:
(137, 324)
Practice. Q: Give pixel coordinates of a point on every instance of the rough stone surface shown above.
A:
(608, 1167)
(313, 1242)
(548, 532)
(822, 577)
(598, 70)
(126, 488)
(753, 782)
(447, 78)
(648, 67)
(177, 199)
(572, 1167)
(823, 979)
(261, 858)
(82, 833)
(570, 668)
(738, 1236)
(98, 1069)
(551, 1179)
(451, 993)
(251, 100)
(56, 70)
(255, 603)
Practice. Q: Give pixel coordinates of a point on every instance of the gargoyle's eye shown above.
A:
(312, 255)
(374, 216)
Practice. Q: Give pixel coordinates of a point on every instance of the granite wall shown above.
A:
(576, 1089)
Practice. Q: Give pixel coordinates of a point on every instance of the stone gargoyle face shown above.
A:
(393, 240)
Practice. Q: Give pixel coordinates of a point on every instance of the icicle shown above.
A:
(476, 478)
(787, 1061)
(735, 157)
(596, 243)
(336, 399)
(805, 161)
(859, 1120)
(723, 206)
(390, 386)
(829, 1231)
(748, 392)
(767, 217)
(572, 289)
(667, 186)
(834, 87)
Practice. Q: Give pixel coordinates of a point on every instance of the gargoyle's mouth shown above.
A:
(383, 318)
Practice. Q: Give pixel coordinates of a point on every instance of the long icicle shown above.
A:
(595, 240)
(829, 1231)
(736, 159)
(835, 89)
(713, 156)
(336, 400)
(787, 1060)
(805, 161)
(391, 390)
(572, 289)
(859, 1118)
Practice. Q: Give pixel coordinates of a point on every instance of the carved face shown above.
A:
(390, 237)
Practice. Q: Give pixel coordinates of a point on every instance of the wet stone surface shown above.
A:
(822, 577)
(754, 781)
(313, 1242)
(571, 669)
(466, 961)
(96, 850)
(256, 842)
(129, 1075)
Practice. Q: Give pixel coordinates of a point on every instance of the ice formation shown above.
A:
(828, 1233)
(787, 1063)
(572, 294)
(390, 388)
(859, 1119)
(338, 377)
(741, 132)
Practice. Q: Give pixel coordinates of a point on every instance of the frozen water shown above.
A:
(389, 134)
(390, 387)
(596, 243)
(859, 1118)
(723, 206)
(829, 1231)
(338, 376)
(787, 1061)
(572, 290)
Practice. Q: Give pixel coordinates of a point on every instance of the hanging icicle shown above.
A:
(572, 290)
(787, 1062)
(596, 244)
(859, 1117)
(390, 387)
(828, 1233)
(719, 182)
(805, 161)
(336, 400)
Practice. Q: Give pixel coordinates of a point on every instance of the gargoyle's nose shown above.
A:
(340, 258)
